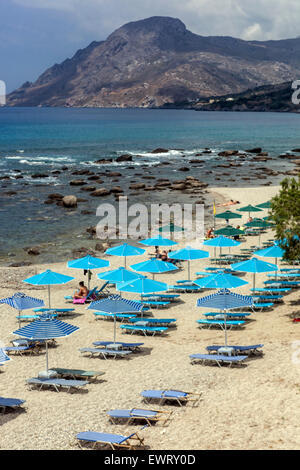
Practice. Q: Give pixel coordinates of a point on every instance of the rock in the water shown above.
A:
(160, 150)
(69, 201)
(124, 158)
(100, 192)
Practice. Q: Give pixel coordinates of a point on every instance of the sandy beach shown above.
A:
(251, 407)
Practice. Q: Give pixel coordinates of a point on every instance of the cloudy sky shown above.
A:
(35, 34)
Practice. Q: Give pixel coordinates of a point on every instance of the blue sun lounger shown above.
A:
(185, 288)
(155, 321)
(144, 329)
(262, 306)
(170, 297)
(131, 346)
(110, 316)
(29, 318)
(221, 323)
(270, 298)
(271, 290)
(229, 315)
(55, 311)
(171, 396)
(105, 353)
(254, 349)
(155, 303)
(20, 350)
(135, 415)
(113, 441)
(57, 384)
(216, 359)
(10, 404)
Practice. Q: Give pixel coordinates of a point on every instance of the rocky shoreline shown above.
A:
(82, 190)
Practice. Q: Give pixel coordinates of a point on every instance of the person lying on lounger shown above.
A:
(230, 203)
(82, 292)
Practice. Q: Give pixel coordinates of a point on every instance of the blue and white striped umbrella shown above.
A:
(3, 356)
(224, 300)
(21, 301)
(44, 329)
(115, 304)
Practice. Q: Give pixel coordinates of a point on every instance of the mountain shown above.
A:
(155, 61)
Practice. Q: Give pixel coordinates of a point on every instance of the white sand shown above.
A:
(255, 407)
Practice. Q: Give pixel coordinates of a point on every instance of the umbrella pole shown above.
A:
(189, 270)
(115, 327)
(276, 271)
(88, 273)
(47, 356)
(253, 283)
(225, 326)
(49, 296)
(19, 319)
(125, 262)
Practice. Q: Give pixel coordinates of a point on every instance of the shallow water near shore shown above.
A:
(41, 141)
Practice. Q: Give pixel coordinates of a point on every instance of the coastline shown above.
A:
(239, 408)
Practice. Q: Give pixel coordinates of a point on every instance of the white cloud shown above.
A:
(247, 19)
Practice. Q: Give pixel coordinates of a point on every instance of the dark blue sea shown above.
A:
(46, 140)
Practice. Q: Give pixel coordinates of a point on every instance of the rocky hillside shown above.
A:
(272, 98)
(155, 61)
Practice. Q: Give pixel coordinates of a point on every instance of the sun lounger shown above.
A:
(269, 298)
(155, 321)
(153, 330)
(113, 441)
(29, 318)
(10, 404)
(171, 396)
(262, 306)
(170, 297)
(137, 414)
(229, 315)
(252, 349)
(105, 353)
(55, 311)
(155, 303)
(78, 373)
(22, 350)
(184, 288)
(57, 384)
(216, 359)
(272, 290)
(110, 316)
(119, 345)
(221, 323)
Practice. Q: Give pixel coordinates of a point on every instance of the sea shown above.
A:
(56, 142)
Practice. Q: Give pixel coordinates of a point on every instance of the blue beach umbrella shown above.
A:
(254, 266)
(221, 242)
(142, 286)
(188, 254)
(158, 241)
(154, 266)
(3, 356)
(45, 329)
(115, 304)
(21, 301)
(225, 300)
(125, 250)
(118, 275)
(48, 278)
(273, 251)
(220, 281)
(87, 264)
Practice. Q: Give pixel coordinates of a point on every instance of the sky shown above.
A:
(36, 34)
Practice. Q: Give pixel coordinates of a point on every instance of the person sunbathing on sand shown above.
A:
(230, 203)
(82, 292)
(210, 233)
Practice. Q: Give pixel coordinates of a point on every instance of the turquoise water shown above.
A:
(43, 140)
